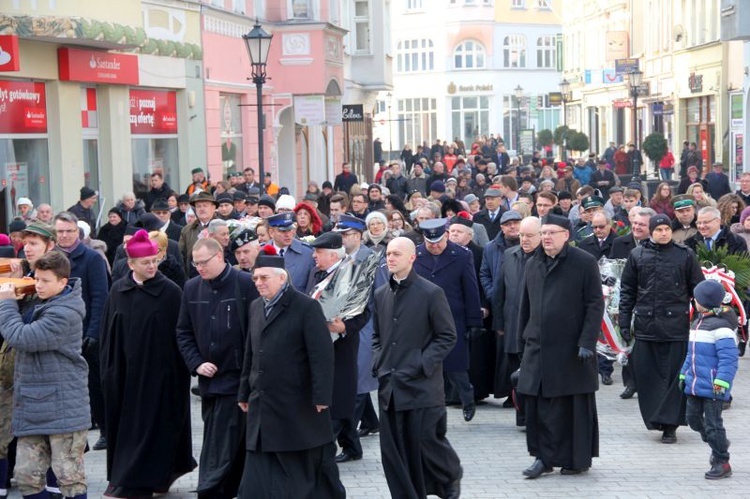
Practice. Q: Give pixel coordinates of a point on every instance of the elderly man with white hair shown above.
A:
(130, 208)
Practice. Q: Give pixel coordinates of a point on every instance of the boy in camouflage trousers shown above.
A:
(51, 401)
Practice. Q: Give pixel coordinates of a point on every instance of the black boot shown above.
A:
(718, 471)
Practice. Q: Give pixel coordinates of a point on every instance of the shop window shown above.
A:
(470, 117)
(24, 164)
(231, 133)
(417, 121)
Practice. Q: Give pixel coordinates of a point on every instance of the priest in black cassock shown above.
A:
(286, 390)
(559, 321)
(145, 382)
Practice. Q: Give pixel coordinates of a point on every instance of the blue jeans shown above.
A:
(666, 173)
(704, 416)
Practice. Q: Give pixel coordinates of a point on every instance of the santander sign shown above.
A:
(97, 67)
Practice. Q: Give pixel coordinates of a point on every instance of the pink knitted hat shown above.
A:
(140, 246)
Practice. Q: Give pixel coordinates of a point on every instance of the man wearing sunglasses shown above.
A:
(211, 333)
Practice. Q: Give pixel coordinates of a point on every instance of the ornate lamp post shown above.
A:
(258, 44)
(565, 97)
(635, 79)
(519, 95)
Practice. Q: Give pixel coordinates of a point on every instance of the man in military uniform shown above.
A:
(683, 225)
(590, 205)
(245, 247)
(451, 267)
(296, 254)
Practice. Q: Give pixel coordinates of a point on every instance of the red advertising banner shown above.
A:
(97, 67)
(23, 107)
(153, 112)
(10, 58)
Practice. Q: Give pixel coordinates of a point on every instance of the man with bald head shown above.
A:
(413, 332)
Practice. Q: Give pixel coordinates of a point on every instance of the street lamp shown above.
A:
(519, 95)
(258, 44)
(564, 97)
(635, 79)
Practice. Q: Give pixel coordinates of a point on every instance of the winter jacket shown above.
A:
(712, 355)
(87, 265)
(582, 174)
(50, 392)
(656, 287)
(131, 216)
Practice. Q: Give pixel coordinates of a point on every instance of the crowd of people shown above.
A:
(451, 278)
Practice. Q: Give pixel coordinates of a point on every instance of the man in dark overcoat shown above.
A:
(286, 389)
(329, 253)
(559, 320)
(506, 305)
(451, 267)
(656, 287)
(144, 379)
(211, 334)
(413, 333)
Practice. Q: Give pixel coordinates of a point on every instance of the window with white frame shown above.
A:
(514, 51)
(300, 9)
(546, 53)
(217, 3)
(238, 6)
(259, 9)
(415, 55)
(543, 4)
(414, 4)
(518, 4)
(469, 55)
(417, 120)
(362, 26)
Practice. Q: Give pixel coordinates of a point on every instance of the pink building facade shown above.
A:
(302, 99)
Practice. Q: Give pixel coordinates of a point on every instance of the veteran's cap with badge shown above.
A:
(328, 240)
(683, 201)
(349, 222)
(282, 221)
(592, 202)
(242, 238)
(433, 230)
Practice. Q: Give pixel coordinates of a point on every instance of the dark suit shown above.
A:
(591, 245)
(287, 371)
(413, 332)
(492, 226)
(173, 231)
(622, 246)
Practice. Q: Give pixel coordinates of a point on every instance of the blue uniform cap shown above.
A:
(349, 222)
(282, 221)
(433, 230)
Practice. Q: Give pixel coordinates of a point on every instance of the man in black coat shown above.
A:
(345, 180)
(329, 253)
(160, 209)
(718, 182)
(603, 179)
(397, 184)
(713, 235)
(599, 244)
(655, 292)
(144, 379)
(413, 333)
(285, 389)
(211, 333)
(491, 214)
(505, 307)
(558, 340)
(159, 190)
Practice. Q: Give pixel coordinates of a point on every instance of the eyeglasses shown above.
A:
(261, 278)
(197, 264)
(546, 233)
(699, 222)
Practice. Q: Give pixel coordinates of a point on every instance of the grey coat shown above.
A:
(50, 392)
(507, 300)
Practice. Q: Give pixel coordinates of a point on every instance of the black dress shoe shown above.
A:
(669, 436)
(606, 379)
(573, 471)
(469, 411)
(537, 469)
(100, 444)
(628, 392)
(344, 457)
(453, 489)
(363, 432)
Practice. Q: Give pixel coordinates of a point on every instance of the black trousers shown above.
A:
(96, 397)
(346, 431)
(460, 386)
(223, 453)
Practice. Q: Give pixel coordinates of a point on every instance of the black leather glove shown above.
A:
(584, 354)
(625, 334)
(90, 347)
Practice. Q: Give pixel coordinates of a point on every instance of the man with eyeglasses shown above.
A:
(505, 307)
(713, 235)
(211, 334)
(655, 292)
(557, 340)
(144, 379)
(88, 266)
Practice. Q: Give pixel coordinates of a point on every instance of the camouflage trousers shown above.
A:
(6, 411)
(63, 452)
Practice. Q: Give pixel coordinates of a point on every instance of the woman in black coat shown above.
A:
(112, 233)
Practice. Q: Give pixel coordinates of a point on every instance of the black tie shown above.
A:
(320, 275)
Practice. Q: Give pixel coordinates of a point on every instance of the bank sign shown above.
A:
(153, 112)
(23, 107)
(91, 66)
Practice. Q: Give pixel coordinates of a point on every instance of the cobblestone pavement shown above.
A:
(633, 462)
